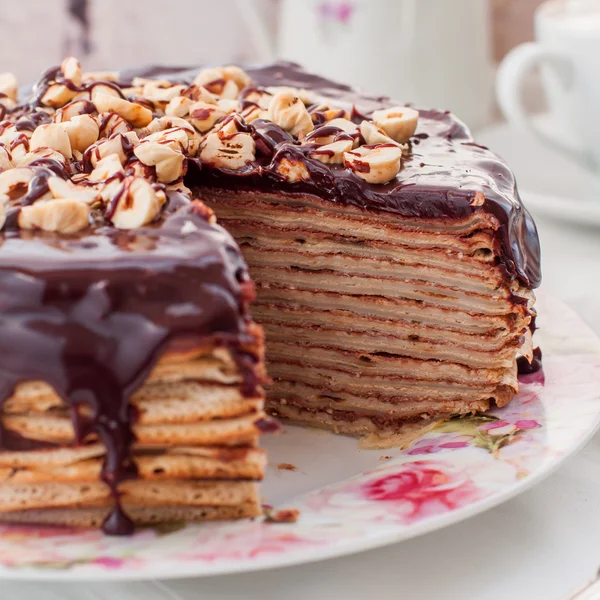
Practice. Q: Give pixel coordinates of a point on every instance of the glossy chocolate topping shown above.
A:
(439, 179)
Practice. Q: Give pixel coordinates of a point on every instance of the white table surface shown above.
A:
(538, 546)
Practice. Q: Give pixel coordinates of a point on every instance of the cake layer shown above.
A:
(400, 430)
(411, 320)
(140, 515)
(158, 462)
(381, 364)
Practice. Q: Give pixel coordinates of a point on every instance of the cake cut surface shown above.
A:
(393, 262)
(387, 304)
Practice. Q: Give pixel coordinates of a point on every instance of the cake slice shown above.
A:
(394, 267)
(130, 384)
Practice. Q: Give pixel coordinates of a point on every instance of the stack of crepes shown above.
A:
(375, 323)
(389, 301)
(195, 452)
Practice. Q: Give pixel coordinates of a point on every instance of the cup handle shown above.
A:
(515, 66)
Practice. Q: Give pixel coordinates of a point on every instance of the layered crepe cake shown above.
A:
(392, 259)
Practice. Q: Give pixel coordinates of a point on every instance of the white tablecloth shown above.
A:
(539, 546)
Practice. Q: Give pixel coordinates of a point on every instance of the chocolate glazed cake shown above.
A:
(392, 257)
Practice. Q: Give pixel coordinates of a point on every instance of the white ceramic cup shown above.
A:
(434, 53)
(568, 52)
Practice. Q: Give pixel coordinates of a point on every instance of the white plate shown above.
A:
(352, 500)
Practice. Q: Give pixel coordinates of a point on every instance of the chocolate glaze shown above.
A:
(91, 314)
(440, 178)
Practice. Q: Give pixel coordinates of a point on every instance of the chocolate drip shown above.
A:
(91, 314)
(524, 367)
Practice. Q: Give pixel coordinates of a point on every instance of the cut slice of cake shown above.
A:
(393, 258)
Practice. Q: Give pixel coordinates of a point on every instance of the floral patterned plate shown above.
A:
(352, 500)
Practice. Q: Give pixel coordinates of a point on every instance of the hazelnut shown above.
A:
(174, 137)
(63, 216)
(222, 81)
(169, 163)
(6, 103)
(203, 115)
(228, 106)
(83, 131)
(180, 187)
(39, 153)
(238, 75)
(375, 164)
(259, 97)
(398, 122)
(52, 135)
(102, 89)
(5, 159)
(344, 125)
(10, 134)
(59, 188)
(71, 70)
(161, 92)
(179, 106)
(100, 76)
(73, 109)
(373, 134)
(293, 170)
(330, 112)
(162, 123)
(307, 97)
(251, 113)
(136, 114)
(111, 123)
(9, 86)
(198, 92)
(19, 147)
(106, 167)
(228, 152)
(288, 112)
(57, 95)
(229, 125)
(14, 183)
(137, 204)
(118, 144)
(332, 153)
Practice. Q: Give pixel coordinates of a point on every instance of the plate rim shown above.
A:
(340, 548)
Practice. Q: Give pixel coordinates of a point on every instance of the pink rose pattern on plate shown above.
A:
(421, 489)
(448, 474)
